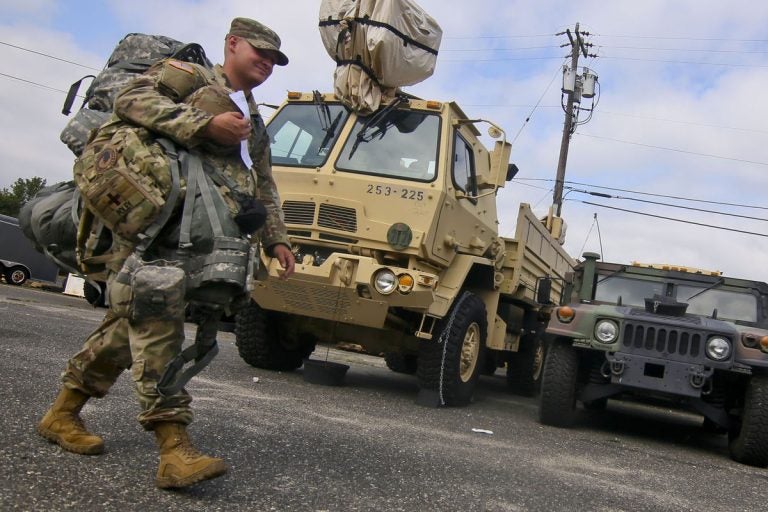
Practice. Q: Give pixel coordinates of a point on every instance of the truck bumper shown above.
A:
(341, 289)
(674, 377)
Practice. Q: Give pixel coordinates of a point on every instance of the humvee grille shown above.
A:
(337, 217)
(655, 339)
(299, 212)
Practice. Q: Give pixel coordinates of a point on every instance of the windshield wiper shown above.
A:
(713, 285)
(374, 120)
(323, 112)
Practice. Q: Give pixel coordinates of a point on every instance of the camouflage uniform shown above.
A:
(175, 100)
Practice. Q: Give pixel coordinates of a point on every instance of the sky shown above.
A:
(677, 132)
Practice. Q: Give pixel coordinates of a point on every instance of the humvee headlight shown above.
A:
(405, 283)
(565, 314)
(385, 281)
(718, 348)
(606, 331)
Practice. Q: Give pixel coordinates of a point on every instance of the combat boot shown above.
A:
(62, 424)
(181, 464)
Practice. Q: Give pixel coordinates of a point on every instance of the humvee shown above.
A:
(685, 336)
(393, 222)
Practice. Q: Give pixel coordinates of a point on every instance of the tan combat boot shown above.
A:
(181, 464)
(62, 424)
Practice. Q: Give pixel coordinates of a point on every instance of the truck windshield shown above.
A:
(303, 134)
(403, 144)
(730, 305)
(632, 291)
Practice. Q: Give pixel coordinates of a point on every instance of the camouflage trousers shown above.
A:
(144, 346)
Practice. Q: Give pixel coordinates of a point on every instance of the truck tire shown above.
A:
(557, 403)
(16, 275)
(748, 439)
(525, 368)
(401, 363)
(264, 340)
(451, 364)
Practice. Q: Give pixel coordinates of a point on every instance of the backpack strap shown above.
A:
(149, 235)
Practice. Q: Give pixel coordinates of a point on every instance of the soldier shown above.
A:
(162, 101)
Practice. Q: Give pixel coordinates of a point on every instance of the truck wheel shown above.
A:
(524, 368)
(264, 340)
(16, 275)
(451, 363)
(557, 405)
(748, 440)
(401, 363)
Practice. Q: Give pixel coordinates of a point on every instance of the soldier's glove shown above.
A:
(252, 215)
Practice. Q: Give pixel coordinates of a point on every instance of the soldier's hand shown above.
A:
(228, 128)
(286, 259)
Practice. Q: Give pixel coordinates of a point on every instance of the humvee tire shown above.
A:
(525, 368)
(451, 363)
(265, 340)
(557, 403)
(748, 440)
(401, 363)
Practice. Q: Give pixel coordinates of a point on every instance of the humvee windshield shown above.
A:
(303, 134)
(403, 144)
(702, 298)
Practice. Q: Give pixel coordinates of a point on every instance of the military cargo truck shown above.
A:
(688, 337)
(393, 221)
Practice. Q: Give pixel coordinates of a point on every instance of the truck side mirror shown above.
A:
(544, 291)
(512, 171)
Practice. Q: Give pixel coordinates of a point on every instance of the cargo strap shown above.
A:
(202, 352)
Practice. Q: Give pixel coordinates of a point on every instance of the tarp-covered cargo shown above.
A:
(378, 46)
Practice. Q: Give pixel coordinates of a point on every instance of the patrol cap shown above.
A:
(260, 36)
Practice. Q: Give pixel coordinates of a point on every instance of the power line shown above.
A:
(498, 49)
(34, 83)
(49, 56)
(726, 214)
(710, 125)
(676, 220)
(721, 203)
(528, 118)
(681, 38)
(729, 64)
(733, 159)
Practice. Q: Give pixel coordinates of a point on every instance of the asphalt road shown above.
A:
(295, 446)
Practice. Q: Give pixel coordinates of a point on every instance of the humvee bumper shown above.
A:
(342, 289)
(650, 373)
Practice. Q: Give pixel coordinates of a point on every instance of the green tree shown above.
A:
(22, 190)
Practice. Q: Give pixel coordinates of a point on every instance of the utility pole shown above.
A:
(575, 86)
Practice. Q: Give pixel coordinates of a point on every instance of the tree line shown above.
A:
(21, 191)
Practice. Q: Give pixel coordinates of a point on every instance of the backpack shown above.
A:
(56, 220)
(132, 56)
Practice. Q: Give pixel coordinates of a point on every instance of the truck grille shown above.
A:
(299, 212)
(330, 215)
(655, 339)
(337, 217)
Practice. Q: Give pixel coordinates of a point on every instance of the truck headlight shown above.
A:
(385, 281)
(606, 331)
(718, 348)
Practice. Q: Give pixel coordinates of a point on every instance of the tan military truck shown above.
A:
(393, 221)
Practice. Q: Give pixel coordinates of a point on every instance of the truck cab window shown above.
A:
(300, 137)
(464, 166)
(403, 144)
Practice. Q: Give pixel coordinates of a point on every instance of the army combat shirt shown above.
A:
(177, 100)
